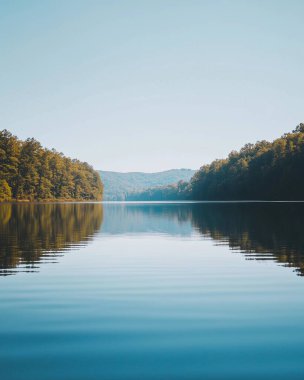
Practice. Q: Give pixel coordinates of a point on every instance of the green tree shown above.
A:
(5, 191)
(9, 157)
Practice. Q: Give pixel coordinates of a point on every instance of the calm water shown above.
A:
(152, 291)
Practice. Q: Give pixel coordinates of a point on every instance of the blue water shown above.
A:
(151, 291)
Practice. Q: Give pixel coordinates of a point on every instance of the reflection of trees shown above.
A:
(30, 231)
(256, 229)
(260, 230)
(124, 218)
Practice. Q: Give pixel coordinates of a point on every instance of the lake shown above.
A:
(151, 291)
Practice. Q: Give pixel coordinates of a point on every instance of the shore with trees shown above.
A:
(261, 171)
(29, 172)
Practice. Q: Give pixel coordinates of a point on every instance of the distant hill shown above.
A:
(117, 185)
(265, 170)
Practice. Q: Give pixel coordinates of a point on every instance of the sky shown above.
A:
(150, 85)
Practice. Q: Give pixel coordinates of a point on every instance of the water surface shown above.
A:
(151, 291)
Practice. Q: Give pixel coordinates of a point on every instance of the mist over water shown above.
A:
(151, 290)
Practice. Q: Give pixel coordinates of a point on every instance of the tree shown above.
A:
(5, 191)
(9, 157)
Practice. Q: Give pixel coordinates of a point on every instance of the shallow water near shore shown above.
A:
(151, 291)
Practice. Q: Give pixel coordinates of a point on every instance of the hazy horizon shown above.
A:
(147, 172)
(150, 86)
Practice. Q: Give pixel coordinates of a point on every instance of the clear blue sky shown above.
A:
(150, 85)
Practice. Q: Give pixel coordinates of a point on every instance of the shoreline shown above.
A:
(25, 201)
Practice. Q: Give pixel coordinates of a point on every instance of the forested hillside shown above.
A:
(265, 170)
(261, 171)
(173, 192)
(121, 186)
(30, 172)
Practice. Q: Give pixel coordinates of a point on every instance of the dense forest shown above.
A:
(30, 172)
(265, 170)
(261, 171)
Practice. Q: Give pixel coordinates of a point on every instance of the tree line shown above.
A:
(265, 170)
(174, 192)
(30, 172)
(261, 171)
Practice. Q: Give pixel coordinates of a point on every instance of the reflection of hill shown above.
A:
(29, 232)
(128, 218)
(261, 230)
(32, 232)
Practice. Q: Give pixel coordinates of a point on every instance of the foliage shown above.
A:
(5, 191)
(265, 171)
(35, 173)
(261, 171)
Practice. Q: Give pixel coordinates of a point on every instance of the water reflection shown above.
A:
(32, 232)
(262, 231)
(172, 219)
